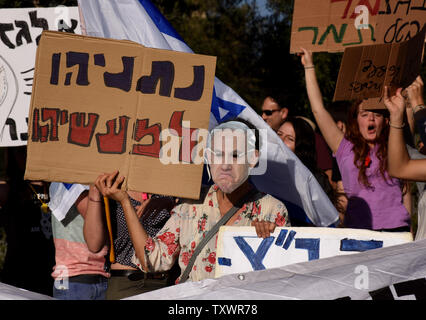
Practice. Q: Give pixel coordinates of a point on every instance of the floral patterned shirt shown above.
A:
(190, 222)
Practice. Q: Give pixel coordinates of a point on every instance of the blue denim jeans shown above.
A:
(81, 291)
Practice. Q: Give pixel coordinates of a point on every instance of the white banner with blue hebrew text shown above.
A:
(239, 249)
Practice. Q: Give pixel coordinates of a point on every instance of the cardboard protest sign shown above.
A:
(239, 249)
(333, 25)
(20, 35)
(100, 104)
(366, 70)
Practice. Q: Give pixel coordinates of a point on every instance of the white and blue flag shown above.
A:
(63, 196)
(285, 177)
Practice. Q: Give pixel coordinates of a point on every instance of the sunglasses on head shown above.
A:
(269, 112)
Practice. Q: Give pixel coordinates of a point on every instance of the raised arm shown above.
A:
(399, 163)
(94, 229)
(418, 109)
(331, 133)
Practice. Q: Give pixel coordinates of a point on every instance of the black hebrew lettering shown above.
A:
(343, 298)
(54, 74)
(402, 3)
(99, 59)
(79, 132)
(142, 129)
(23, 33)
(163, 72)
(112, 142)
(375, 71)
(382, 294)
(5, 27)
(38, 23)
(420, 8)
(82, 60)
(62, 26)
(122, 80)
(413, 287)
(358, 87)
(24, 135)
(12, 129)
(405, 31)
(195, 90)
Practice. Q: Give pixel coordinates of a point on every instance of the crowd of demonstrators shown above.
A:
(375, 199)
(113, 244)
(231, 200)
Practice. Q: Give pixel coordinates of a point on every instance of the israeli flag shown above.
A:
(284, 176)
(63, 196)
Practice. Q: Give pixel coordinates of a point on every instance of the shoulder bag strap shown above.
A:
(212, 232)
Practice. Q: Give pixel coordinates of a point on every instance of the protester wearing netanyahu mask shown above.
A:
(231, 154)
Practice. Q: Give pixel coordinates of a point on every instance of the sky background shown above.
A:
(261, 4)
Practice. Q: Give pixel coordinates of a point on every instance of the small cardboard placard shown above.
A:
(240, 250)
(100, 104)
(366, 70)
(333, 25)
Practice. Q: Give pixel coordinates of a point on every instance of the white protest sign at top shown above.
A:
(20, 31)
(239, 249)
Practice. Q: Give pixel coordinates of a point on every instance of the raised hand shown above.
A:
(396, 106)
(109, 184)
(306, 58)
(415, 92)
